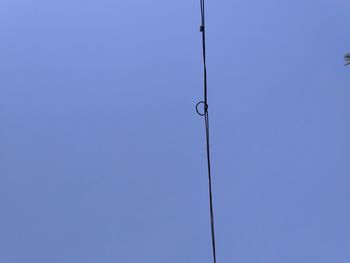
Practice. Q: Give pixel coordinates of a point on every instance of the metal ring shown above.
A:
(205, 108)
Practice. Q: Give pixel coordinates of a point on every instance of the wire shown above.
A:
(205, 113)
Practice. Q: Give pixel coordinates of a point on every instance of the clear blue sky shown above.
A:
(102, 156)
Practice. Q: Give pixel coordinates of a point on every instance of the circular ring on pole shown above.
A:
(205, 106)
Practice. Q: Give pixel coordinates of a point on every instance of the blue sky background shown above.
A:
(102, 156)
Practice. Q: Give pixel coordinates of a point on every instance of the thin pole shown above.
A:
(206, 118)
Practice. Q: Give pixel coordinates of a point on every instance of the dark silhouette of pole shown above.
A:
(205, 114)
(347, 59)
